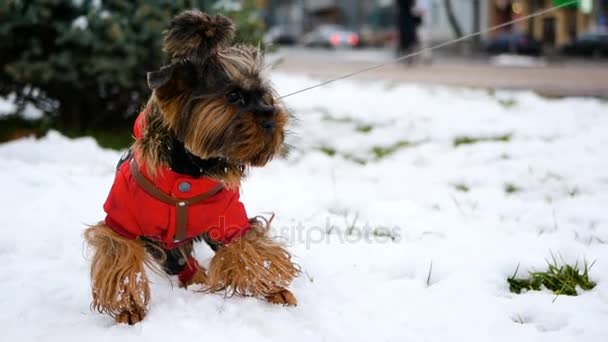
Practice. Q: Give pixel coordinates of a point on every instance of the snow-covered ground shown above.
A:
(373, 193)
(509, 60)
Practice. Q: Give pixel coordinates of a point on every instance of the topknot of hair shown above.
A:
(196, 35)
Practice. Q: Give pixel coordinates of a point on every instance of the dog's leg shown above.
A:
(119, 284)
(178, 261)
(192, 274)
(254, 265)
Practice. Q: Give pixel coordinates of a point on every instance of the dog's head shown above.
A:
(214, 96)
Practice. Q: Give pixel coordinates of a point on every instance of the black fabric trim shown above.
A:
(175, 260)
(214, 245)
(126, 156)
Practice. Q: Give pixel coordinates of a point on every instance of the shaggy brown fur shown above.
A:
(254, 265)
(119, 283)
(283, 297)
(207, 123)
(194, 34)
(214, 105)
(244, 65)
(153, 147)
(199, 278)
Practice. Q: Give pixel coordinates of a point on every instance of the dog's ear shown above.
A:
(172, 79)
(196, 35)
(157, 79)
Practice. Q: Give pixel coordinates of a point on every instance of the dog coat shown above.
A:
(172, 208)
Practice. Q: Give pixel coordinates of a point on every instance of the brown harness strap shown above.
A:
(181, 205)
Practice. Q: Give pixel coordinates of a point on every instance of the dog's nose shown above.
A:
(265, 110)
(268, 126)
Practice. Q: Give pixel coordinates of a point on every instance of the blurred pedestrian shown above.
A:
(422, 9)
(407, 23)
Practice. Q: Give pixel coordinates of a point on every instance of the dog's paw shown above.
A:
(130, 317)
(283, 297)
(198, 278)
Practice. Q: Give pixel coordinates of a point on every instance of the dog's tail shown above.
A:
(196, 35)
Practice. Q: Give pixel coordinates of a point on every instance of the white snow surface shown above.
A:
(509, 60)
(8, 107)
(81, 23)
(356, 285)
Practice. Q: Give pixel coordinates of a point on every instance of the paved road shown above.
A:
(561, 78)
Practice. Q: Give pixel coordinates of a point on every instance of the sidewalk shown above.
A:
(560, 79)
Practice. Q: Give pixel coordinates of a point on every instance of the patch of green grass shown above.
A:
(355, 159)
(511, 188)
(114, 139)
(380, 152)
(561, 279)
(574, 192)
(14, 127)
(469, 140)
(461, 187)
(117, 139)
(330, 151)
(384, 232)
(345, 119)
(364, 128)
(552, 176)
(507, 103)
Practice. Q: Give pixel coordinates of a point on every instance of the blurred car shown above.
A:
(331, 36)
(593, 44)
(513, 42)
(378, 30)
(378, 37)
(281, 35)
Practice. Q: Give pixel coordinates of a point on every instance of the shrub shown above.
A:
(84, 62)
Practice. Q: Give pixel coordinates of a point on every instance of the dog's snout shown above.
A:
(268, 125)
(265, 110)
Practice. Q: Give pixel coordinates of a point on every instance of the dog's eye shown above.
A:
(235, 97)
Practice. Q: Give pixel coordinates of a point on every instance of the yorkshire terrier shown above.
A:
(212, 115)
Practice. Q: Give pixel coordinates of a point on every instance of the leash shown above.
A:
(432, 48)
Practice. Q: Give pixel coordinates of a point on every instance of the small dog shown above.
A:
(212, 114)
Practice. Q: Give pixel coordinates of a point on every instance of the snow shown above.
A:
(227, 5)
(94, 3)
(8, 107)
(80, 23)
(105, 14)
(370, 278)
(506, 60)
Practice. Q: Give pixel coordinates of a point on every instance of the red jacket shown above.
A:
(134, 211)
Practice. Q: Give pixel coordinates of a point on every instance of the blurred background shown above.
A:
(79, 66)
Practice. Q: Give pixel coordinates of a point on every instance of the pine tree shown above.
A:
(84, 62)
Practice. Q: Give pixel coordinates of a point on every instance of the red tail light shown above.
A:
(353, 40)
(335, 39)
